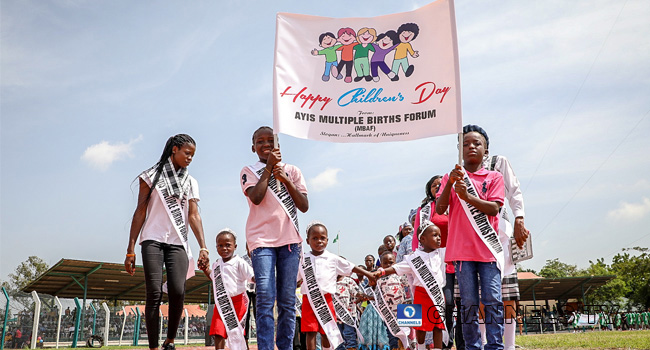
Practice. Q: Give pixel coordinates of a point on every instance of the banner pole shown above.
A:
(275, 146)
(460, 149)
(338, 242)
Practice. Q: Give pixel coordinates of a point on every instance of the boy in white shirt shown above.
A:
(230, 274)
(319, 270)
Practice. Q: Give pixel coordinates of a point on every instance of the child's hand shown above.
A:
(461, 189)
(280, 175)
(314, 52)
(274, 157)
(456, 174)
(203, 261)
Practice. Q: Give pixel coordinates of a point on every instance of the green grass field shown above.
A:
(587, 340)
(636, 340)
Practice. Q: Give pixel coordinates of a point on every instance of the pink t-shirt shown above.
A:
(268, 224)
(463, 243)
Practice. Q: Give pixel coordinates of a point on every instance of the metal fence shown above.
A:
(34, 320)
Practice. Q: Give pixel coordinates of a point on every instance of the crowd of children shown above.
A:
(453, 238)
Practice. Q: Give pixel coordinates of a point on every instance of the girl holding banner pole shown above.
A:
(167, 202)
(273, 238)
(473, 245)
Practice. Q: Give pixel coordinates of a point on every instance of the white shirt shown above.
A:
(235, 273)
(510, 182)
(435, 261)
(327, 267)
(158, 226)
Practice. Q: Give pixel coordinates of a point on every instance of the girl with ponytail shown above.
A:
(167, 202)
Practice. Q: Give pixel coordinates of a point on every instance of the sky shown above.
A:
(91, 90)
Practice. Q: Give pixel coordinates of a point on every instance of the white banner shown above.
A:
(378, 79)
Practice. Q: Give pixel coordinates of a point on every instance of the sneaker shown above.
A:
(368, 78)
(326, 77)
(339, 77)
(358, 79)
(168, 346)
(375, 79)
(409, 71)
(348, 79)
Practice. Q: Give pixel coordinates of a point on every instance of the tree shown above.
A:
(635, 272)
(26, 272)
(613, 292)
(556, 269)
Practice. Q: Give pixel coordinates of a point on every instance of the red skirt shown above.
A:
(217, 327)
(309, 322)
(430, 316)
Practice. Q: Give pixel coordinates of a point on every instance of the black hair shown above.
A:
(175, 141)
(315, 224)
(227, 232)
(475, 128)
(391, 34)
(320, 38)
(381, 258)
(411, 27)
(369, 255)
(431, 197)
(260, 129)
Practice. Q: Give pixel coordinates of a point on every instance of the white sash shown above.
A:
(344, 315)
(386, 314)
(172, 190)
(481, 225)
(226, 309)
(318, 303)
(280, 193)
(432, 284)
(425, 214)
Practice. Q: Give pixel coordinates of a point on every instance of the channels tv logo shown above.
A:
(409, 315)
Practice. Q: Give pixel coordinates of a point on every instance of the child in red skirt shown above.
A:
(434, 258)
(327, 267)
(235, 273)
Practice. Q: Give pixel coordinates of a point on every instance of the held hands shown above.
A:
(129, 264)
(204, 260)
(520, 232)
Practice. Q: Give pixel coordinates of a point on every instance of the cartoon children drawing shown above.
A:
(348, 39)
(365, 37)
(328, 43)
(407, 32)
(385, 44)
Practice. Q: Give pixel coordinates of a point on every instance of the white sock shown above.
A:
(481, 327)
(422, 346)
(509, 334)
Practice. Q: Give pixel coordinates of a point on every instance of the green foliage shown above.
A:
(557, 269)
(26, 272)
(634, 271)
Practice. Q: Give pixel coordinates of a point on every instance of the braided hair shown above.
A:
(177, 140)
(260, 129)
(427, 190)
